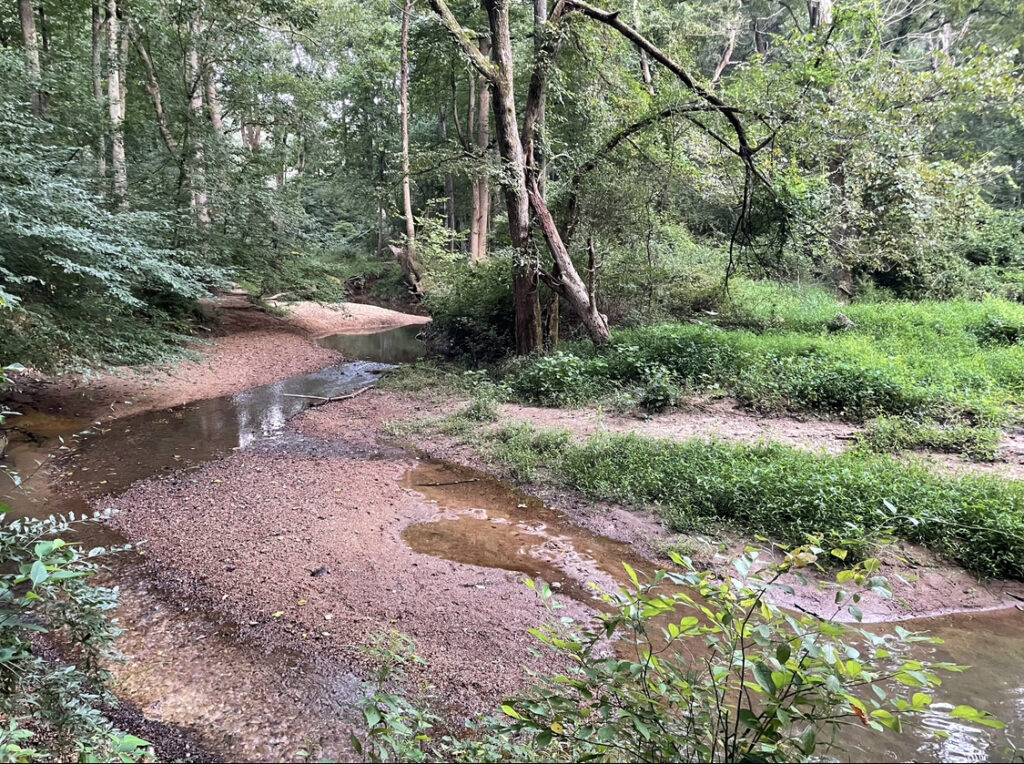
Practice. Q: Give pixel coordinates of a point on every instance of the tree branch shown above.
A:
(462, 40)
(611, 18)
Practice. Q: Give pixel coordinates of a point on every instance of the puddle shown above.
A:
(497, 526)
(392, 346)
(491, 524)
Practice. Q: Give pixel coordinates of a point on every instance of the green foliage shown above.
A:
(770, 685)
(76, 280)
(945, 360)
(45, 589)
(888, 434)
(472, 309)
(851, 501)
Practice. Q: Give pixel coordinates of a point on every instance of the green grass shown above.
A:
(894, 434)
(850, 501)
(773, 350)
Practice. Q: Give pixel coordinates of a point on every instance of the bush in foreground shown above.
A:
(686, 667)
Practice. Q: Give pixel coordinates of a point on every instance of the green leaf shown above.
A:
(971, 714)
(763, 675)
(38, 574)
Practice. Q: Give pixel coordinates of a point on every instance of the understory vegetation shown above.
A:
(953, 369)
(52, 705)
(851, 501)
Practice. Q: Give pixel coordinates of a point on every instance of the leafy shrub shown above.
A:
(45, 589)
(560, 379)
(660, 391)
(472, 309)
(850, 501)
(771, 686)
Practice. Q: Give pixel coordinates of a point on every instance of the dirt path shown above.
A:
(713, 419)
(246, 347)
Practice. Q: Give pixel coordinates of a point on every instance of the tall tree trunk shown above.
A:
(97, 84)
(44, 30)
(449, 178)
(526, 295)
(819, 13)
(479, 224)
(194, 83)
(30, 42)
(115, 101)
(212, 100)
(410, 266)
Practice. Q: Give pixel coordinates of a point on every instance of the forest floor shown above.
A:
(303, 542)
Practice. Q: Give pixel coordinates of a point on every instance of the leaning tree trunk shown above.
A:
(407, 256)
(30, 43)
(115, 100)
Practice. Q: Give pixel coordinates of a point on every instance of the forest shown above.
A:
(512, 380)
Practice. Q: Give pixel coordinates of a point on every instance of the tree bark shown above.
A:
(153, 88)
(115, 101)
(97, 85)
(526, 295)
(480, 221)
(30, 43)
(407, 259)
(449, 178)
(819, 13)
(194, 85)
(581, 297)
(212, 100)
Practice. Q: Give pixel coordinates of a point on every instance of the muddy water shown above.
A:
(185, 667)
(400, 345)
(491, 524)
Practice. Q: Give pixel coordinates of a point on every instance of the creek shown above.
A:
(191, 669)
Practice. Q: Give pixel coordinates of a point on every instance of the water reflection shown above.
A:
(400, 345)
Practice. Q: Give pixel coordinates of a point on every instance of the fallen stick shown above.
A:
(322, 400)
(453, 482)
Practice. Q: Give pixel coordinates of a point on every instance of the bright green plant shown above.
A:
(52, 709)
(899, 433)
(688, 666)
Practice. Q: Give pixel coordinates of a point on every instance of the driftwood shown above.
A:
(321, 400)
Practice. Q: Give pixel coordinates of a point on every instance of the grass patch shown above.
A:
(947, 361)
(893, 434)
(850, 501)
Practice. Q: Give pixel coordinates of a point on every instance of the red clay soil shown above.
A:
(308, 551)
(246, 347)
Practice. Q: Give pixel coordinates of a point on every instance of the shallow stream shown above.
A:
(190, 669)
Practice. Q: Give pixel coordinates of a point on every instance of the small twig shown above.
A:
(453, 482)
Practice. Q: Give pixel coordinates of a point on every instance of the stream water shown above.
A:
(191, 669)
